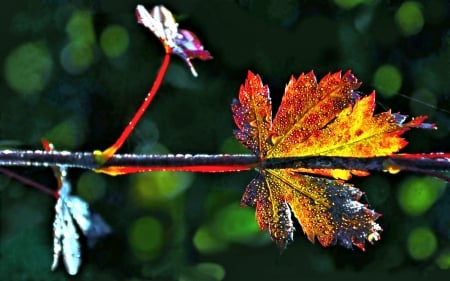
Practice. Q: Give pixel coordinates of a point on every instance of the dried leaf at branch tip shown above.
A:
(181, 42)
(325, 118)
(71, 210)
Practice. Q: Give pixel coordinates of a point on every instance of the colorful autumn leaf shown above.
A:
(315, 119)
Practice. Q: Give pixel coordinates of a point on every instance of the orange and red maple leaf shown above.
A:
(326, 118)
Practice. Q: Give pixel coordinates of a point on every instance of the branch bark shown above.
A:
(431, 163)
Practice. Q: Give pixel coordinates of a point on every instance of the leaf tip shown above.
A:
(252, 77)
(417, 122)
(350, 78)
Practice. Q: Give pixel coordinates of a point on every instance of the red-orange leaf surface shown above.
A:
(314, 118)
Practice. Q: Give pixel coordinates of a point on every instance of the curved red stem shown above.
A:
(109, 152)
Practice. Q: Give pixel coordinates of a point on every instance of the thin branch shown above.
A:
(110, 151)
(210, 163)
(29, 182)
(432, 161)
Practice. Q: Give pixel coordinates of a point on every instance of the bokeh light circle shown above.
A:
(114, 41)
(409, 18)
(146, 237)
(422, 243)
(28, 68)
(387, 80)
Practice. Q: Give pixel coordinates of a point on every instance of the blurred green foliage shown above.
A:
(443, 260)
(416, 104)
(78, 54)
(146, 237)
(203, 271)
(69, 133)
(91, 186)
(409, 17)
(165, 185)
(28, 68)
(422, 243)
(114, 41)
(350, 4)
(75, 71)
(387, 80)
(417, 195)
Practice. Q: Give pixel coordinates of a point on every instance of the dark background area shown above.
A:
(64, 79)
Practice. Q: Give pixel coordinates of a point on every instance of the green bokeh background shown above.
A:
(75, 71)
